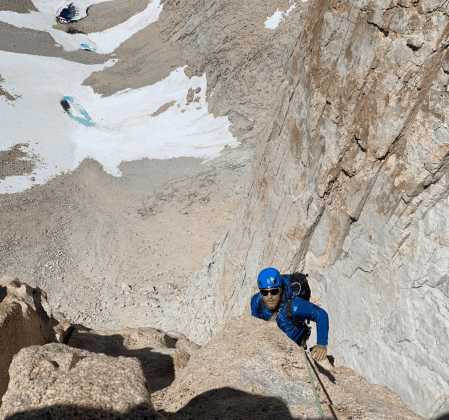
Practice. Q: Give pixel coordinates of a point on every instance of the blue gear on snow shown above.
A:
(301, 310)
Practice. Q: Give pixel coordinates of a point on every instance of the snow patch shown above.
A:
(275, 19)
(290, 9)
(108, 40)
(103, 42)
(124, 127)
(55, 6)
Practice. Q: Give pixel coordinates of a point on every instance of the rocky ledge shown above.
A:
(250, 369)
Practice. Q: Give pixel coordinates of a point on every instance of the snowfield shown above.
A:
(121, 127)
(104, 42)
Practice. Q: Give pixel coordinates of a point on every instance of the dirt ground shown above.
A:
(17, 6)
(114, 251)
(15, 161)
(30, 41)
(5, 93)
(144, 59)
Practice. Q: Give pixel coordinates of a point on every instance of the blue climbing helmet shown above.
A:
(269, 277)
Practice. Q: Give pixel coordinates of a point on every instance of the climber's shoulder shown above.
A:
(255, 302)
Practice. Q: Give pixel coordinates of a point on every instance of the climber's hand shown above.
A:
(319, 352)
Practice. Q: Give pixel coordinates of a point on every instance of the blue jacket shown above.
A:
(302, 310)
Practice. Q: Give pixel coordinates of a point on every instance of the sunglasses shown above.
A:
(272, 292)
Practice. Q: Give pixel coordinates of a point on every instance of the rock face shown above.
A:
(59, 382)
(244, 61)
(251, 369)
(25, 319)
(351, 185)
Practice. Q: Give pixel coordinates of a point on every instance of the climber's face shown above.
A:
(271, 297)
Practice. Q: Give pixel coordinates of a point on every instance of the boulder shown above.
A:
(58, 382)
(162, 355)
(251, 369)
(247, 362)
(25, 319)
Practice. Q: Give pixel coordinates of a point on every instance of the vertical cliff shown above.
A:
(350, 184)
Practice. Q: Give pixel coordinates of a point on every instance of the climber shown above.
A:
(277, 302)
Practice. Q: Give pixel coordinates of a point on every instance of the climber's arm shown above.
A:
(302, 309)
(255, 305)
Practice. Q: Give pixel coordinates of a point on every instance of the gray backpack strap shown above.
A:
(261, 305)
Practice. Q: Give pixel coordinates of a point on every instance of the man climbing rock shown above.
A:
(277, 302)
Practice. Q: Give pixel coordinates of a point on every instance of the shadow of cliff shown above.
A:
(443, 417)
(232, 404)
(158, 368)
(222, 404)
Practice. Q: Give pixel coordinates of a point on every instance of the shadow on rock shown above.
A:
(232, 404)
(223, 404)
(3, 293)
(37, 295)
(158, 368)
(443, 417)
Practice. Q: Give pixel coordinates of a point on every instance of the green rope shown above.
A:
(320, 410)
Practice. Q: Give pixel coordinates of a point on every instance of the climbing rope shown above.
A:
(320, 410)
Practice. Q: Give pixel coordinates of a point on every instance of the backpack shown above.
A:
(300, 283)
(300, 287)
